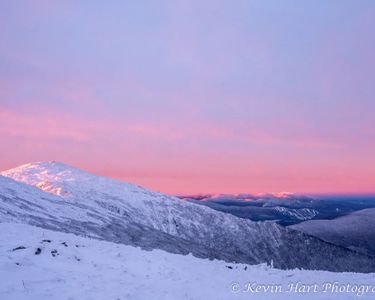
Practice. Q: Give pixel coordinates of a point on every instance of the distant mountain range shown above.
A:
(355, 230)
(348, 221)
(283, 208)
(62, 198)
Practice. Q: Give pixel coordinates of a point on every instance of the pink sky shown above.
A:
(192, 97)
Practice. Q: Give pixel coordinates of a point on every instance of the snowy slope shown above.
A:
(21, 202)
(299, 214)
(89, 205)
(355, 230)
(39, 264)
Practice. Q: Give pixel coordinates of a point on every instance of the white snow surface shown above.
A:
(77, 268)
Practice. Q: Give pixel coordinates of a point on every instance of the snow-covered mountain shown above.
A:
(283, 208)
(59, 197)
(355, 230)
(269, 199)
(40, 264)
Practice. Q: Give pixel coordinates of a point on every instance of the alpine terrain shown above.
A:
(56, 196)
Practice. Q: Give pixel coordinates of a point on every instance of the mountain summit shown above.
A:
(61, 179)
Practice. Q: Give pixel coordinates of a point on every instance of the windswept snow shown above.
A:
(39, 264)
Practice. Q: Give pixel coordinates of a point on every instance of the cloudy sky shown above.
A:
(193, 96)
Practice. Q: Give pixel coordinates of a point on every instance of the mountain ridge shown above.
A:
(86, 204)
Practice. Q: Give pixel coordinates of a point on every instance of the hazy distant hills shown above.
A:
(284, 208)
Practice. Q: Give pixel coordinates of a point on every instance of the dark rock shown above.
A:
(19, 248)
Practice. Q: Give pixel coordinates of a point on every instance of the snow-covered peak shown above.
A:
(64, 180)
(45, 175)
(34, 170)
(101, 194)
(279, 195)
